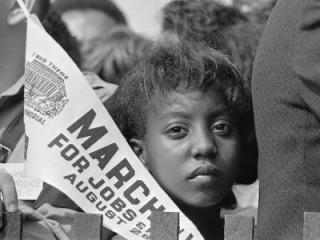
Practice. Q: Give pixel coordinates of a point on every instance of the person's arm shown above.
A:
(307, 55)
(9, 201)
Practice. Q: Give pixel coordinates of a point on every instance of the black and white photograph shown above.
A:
(159, 119)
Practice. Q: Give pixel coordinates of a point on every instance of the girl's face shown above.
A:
(192, 146)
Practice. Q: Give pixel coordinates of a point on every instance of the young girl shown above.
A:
(187, 115)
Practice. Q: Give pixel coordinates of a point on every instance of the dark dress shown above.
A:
(286, 97)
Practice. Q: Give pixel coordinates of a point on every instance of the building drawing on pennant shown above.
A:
(44, 90)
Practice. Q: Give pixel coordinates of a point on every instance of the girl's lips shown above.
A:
(206, 170)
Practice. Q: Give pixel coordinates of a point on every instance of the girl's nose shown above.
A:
(204, 145)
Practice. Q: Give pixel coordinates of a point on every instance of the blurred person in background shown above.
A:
(56, 27)
(90, 21)
(221, 27)
(12, 63)
(117, 54)
(12, 44)
(59, 31)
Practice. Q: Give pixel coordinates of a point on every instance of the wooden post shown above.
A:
(11, 226)
(311, 227)
(86, 227)
(164, 225)
(238, 227)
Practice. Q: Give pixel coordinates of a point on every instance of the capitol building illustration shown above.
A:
(45, 91)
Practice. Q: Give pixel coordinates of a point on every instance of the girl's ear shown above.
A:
(139, 148)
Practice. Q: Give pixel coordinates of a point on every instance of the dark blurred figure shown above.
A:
(221, 27)
(55, 26)
(114, 56)
(286, 97)
(89, 21)
(199, 20)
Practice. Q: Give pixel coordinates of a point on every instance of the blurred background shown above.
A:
(144, 16)
(106, 36)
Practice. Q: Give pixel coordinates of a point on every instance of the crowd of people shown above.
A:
(232, 90)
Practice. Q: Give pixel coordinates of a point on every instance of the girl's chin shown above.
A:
(205, 203)
(199, 202)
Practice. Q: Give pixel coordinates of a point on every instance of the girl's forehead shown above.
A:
(174, 97)
(179, 95)
(184, 99)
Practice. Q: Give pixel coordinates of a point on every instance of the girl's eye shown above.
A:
(222, 128)
(177, 132)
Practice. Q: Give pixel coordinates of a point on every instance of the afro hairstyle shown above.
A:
(176, 65)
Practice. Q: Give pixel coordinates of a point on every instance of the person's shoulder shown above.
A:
(103, 89)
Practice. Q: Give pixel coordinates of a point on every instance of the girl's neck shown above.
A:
(207, 220)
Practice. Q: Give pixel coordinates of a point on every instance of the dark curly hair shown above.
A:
(195, 19)
(59, 31)
(222, 27)
(172, 65)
